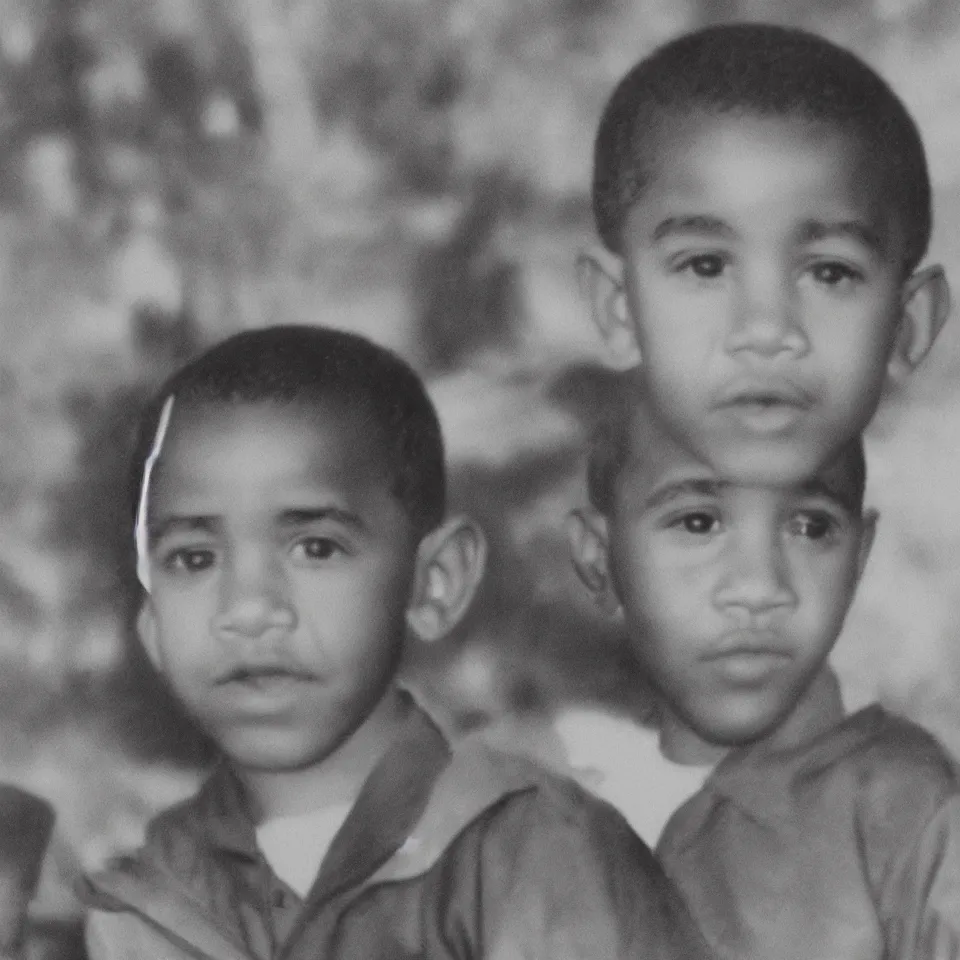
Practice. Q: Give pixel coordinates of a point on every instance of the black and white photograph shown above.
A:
(479, 480)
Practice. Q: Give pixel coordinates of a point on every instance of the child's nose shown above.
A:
(254, 601)
(766, 321)
(757, 581)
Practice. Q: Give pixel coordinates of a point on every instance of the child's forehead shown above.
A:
(730, 158)
(684, 130)
(226, 447)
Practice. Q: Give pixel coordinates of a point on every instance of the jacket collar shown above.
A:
(761, 779)
(389, 805)
(390, 802)
(182, 918)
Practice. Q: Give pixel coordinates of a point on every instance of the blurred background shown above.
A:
(172, 171)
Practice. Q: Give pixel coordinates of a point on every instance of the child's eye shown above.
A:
(697, 522)
(317, 548)
(832, 273)
(813, 525)
(189, 560)
(706, 266)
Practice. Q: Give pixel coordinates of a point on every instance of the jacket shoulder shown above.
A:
(171, 837)
(564, 873)
(895, 752)
(508, 773)
(482, 783)
(902, 777)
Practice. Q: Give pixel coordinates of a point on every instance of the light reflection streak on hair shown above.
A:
(141, 537)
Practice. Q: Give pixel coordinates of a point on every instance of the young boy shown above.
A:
(763, 201)
(801, 833)
(290, 529)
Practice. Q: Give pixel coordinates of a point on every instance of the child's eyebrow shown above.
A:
(293, 517)
(699, 223)
(180, 524)
(810, 231)
(301, 516)
(819, 488)
(701, 487)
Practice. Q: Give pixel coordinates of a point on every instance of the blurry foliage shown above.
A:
(391, 71)
(465, 289)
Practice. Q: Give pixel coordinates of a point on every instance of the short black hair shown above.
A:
(316, 365)
(764, 70)
(609, 448)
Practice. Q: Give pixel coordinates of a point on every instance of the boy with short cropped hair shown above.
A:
(763, 202)
(792, 830)
(290, 527)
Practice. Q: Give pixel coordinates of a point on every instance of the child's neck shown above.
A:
(679, 744)
(337, 779)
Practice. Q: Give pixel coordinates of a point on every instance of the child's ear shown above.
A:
(450, 565)
(600, 275)
(147, 632)
(925, 308)
(868, 532)
(587, 534)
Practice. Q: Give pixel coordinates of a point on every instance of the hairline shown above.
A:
(320, 402)
(703, 109)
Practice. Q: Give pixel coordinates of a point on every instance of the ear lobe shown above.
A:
(587, 535)
(600, 276)
(925, 308)
(450, 564)
(868, 532)
(149, 636)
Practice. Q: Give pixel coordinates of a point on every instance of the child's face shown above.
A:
(763, 275)
(281, 570)
(734, 595)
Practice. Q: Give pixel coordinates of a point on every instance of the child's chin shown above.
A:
(740, 728)
(765, 462)
(272, 752)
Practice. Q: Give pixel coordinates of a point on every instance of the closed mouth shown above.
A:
(746, 653)
(748, 665)
(766, 397)
(263, 674)
(744, 644)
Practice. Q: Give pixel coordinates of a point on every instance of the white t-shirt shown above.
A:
(295, 846)
(620, 761)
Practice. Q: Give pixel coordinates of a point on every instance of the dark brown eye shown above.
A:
(698, 523)
(707, 266)
(832, 273)
(189, 560)
(318, 548)
(813, 526)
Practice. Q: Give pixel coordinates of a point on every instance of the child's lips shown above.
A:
(264, 676)
(749, 640)
(748, 656)
(265, 691)
(765, 409)
(765, 394)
